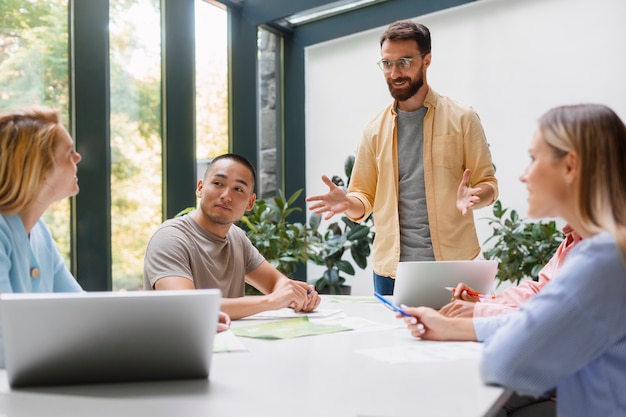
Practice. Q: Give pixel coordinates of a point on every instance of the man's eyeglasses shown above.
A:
(402, 64)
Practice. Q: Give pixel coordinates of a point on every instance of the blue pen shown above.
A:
(391, 306)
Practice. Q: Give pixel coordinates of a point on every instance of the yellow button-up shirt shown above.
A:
(453, 141)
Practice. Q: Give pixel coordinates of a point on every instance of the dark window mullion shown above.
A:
(89, 113)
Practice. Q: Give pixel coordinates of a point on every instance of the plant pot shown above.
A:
(344, 290)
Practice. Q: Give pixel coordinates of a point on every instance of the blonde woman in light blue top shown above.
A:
(38, 165)
(572, 335)
(37, 168)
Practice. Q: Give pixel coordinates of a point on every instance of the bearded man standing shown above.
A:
(422, 165)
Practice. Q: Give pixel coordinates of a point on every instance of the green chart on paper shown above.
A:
(285, 329)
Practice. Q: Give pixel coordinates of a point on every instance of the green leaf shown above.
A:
(185, 211)
(358, 232)
(345, 266)
(360, 258)
(314, 221)
(294, 197)
(348, 165)
(249, 224)
(320, 284)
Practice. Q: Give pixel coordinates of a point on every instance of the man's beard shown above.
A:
(408, 92)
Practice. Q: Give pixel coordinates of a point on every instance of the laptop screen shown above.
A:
(96, 337)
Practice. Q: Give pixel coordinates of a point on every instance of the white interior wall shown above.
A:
(510, 59)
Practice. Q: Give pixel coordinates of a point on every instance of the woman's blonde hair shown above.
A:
(598, 137)
(27, 143)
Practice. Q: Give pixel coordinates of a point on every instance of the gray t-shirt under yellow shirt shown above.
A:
(415, 242)
(181, 247)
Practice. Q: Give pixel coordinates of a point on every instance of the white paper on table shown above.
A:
(425, 351)
(358, 323)
(287, 313)
(227, 342)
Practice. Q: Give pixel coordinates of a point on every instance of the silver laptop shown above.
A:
(102, 337)
(424, 283)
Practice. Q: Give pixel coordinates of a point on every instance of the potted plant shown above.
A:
(335, 242)
(351, 237)
(284, 244)
(521, 247)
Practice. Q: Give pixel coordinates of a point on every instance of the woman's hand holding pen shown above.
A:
(428, 324)
(465, 293)
(424, 323)
(462, 302)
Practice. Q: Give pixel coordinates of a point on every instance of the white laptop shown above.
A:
(424, 283)
(102, 337)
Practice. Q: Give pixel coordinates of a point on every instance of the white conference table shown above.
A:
(323, 375)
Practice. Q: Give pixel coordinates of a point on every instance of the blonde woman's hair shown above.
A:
(27, 143)
(598, 137)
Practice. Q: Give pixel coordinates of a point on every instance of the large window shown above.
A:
(34, 71)
(211, 83)
(135, 70)
(136, 152)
